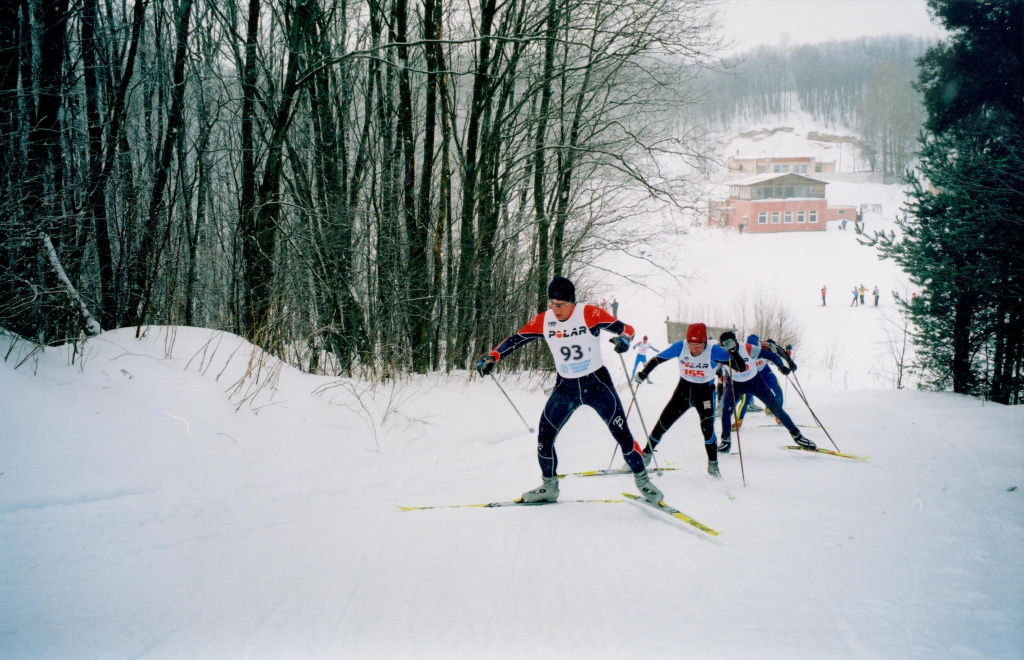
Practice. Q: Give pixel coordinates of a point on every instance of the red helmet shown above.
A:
(697, 333)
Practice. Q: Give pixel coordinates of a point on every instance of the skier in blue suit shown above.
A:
(765, 372)
(742, 371)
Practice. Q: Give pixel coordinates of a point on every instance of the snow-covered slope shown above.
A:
(181, 495)
(141, 515)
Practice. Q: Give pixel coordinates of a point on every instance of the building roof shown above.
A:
(771, 176)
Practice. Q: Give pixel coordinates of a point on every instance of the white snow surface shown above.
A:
(158, 502)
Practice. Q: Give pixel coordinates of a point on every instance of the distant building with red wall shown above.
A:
(777, 202)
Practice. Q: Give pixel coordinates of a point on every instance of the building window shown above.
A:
(778, 192)
(781, 169)
(800, 169)
(762, 218)
(789, 218)
(775, 217)
(789, 191)
(813, 218)
(761, 169)
(799, 217)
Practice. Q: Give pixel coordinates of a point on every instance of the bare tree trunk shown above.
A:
(539, 206)
(116, 142)
(416, 227)
(344, 326)
(247, 185)
(149, 250)
(44, 178)
(262, 241)
(425, 215)
(10, 130)
(466, 290)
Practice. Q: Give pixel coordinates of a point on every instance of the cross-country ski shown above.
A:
(671, 511)
(492, 505)
(822, 450)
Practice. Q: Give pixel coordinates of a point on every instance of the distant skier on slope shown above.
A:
(741, 363)
(641, 353)
(696, 389)
(572, 333)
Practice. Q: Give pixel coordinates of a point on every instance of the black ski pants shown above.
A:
(597, 391)
(690, 395)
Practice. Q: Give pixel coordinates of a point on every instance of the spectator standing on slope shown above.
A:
(823, 292)
(854, 303)
(862, 291)
(696, 389)
(572, 333)
(875, 294)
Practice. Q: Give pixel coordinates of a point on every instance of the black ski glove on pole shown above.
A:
(728, 341)
(621, 343)
(484, 365)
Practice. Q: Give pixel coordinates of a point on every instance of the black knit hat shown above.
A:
(562, 289)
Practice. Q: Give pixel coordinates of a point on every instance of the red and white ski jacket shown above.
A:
(574, 343)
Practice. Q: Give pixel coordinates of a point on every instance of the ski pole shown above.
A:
(632, 393)
(736, 414)
(800, 390)
(530, 428)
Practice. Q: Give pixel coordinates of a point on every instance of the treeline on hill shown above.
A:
(371, 186)
(864, 84)
(963, 243)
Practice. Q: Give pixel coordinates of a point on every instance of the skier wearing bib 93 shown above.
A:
(572, 333)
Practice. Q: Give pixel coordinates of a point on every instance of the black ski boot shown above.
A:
(804, 443)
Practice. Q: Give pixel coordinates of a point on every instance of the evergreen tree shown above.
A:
(963, 244)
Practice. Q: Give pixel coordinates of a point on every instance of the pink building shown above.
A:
(777, 202)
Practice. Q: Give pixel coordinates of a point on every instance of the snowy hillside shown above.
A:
(716, 276)
(143, 516)
(181, 495)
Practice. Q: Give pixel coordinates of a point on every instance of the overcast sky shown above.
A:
(749, 23)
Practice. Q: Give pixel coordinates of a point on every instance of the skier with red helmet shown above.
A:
(696, 389)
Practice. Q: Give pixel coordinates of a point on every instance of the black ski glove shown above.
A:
(641, 376)
(729, 343)
(621, 343)
(782, 353)
(784, 370)
(484, 365)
